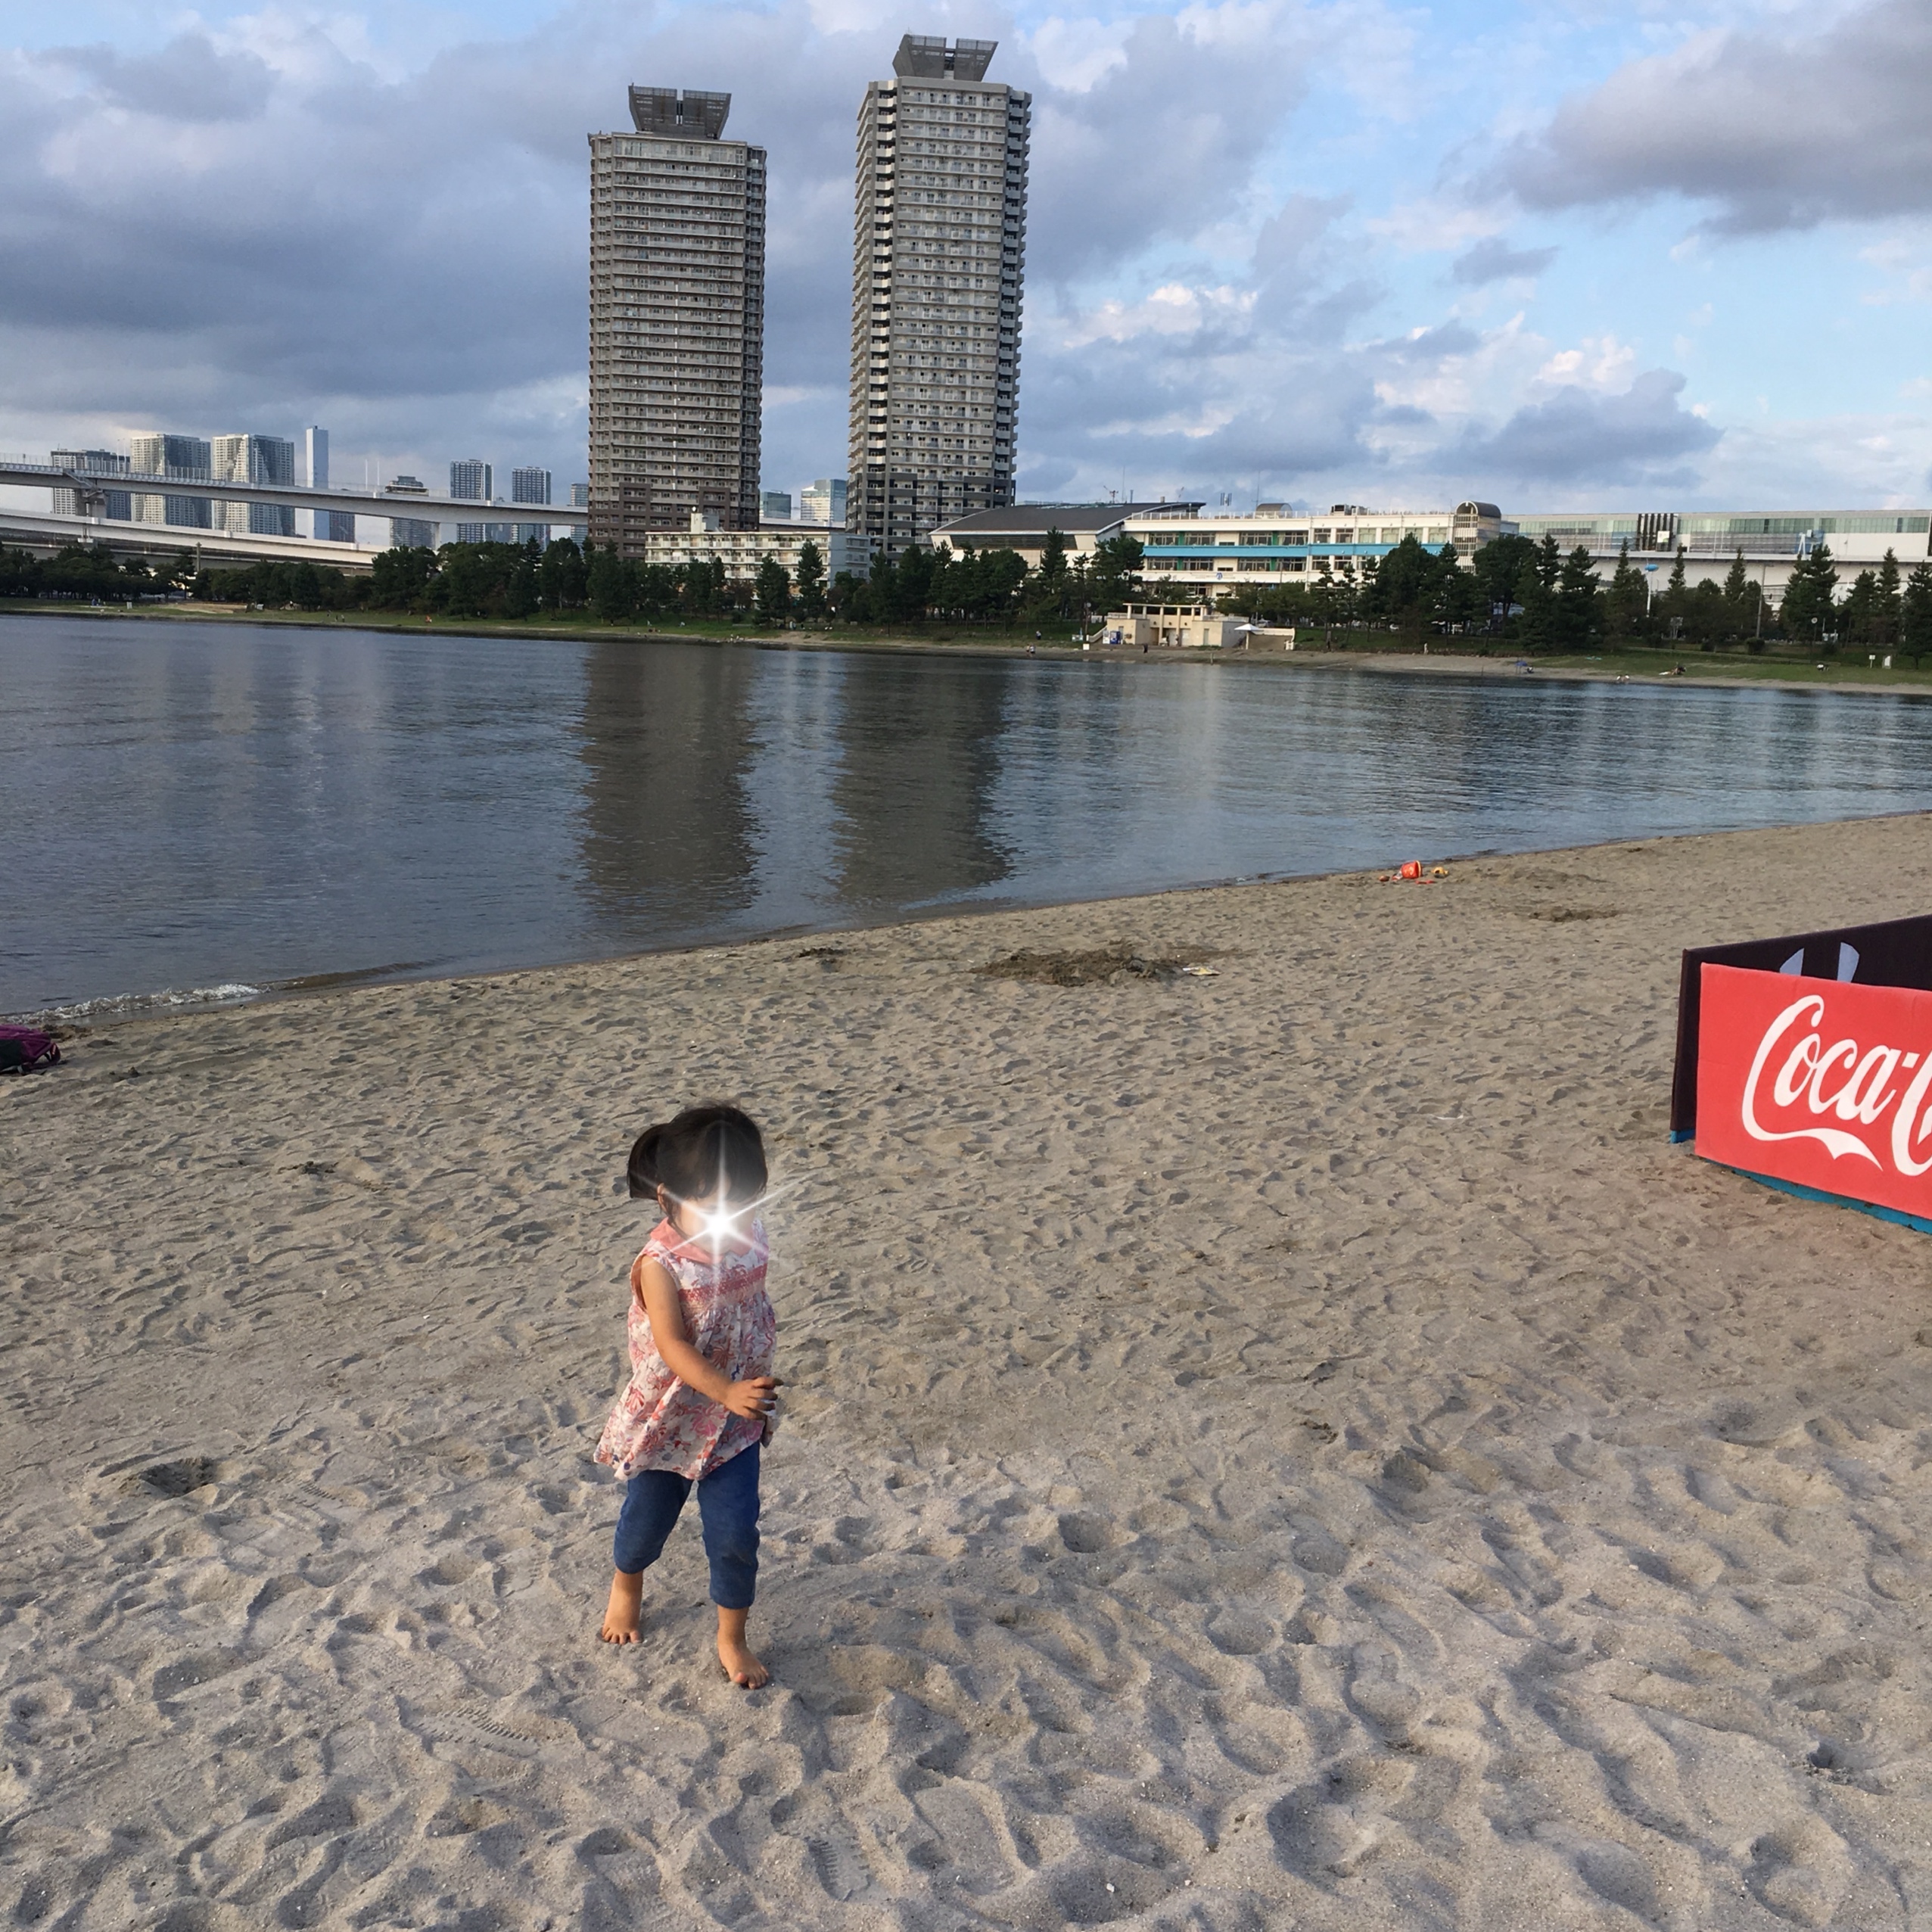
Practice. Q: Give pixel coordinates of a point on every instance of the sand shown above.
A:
(1295, 1447)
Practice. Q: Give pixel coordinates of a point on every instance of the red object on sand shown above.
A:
(1411, 868)
(1819, 1084)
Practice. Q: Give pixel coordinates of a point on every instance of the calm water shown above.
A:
(198, 806)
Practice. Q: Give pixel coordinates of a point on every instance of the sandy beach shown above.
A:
(1290, 1447)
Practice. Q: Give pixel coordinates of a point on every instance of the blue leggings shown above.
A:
(727, 1502)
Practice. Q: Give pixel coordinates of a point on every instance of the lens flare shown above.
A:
(716, 1225)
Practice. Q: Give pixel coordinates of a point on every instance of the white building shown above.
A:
(1770, 542)
(744, 550)
(823, 502)
(1275, 545)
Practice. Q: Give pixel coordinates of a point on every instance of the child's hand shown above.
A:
(755, 1399)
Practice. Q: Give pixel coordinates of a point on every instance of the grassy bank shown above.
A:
(1778, 666)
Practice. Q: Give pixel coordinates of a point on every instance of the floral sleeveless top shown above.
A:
(661, 1422)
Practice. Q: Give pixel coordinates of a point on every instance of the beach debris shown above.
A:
(1413, 872)
(26, 1050)
(1099, 965)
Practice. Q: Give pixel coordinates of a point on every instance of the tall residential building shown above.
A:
(677, 309)
(938, 245)
(261, 459)
(530, 485)
(331, 526)
(181, 459)
(116, 505)
(823, 502)
(473, 479)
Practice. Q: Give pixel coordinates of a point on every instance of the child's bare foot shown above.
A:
(620, 1613)
(740, 1661)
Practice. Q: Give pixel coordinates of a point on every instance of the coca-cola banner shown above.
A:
(1821, 1083)
(1896, 952)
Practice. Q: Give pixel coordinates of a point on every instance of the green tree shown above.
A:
(1114, 576)
(1676, 599)
(811, 580)
(560, 581)
(774, 592)
(1808, 611)
(1541, 627)
(1048, 592)
(1403, 591)
(1503, 570)
(398, 578)
(1577, 604)
(1740, 600)
(1458, 597)
(1915, 613)
(910, 584)
(609, 585)
(1886, 631)
(1858, 613)
(1625, 599)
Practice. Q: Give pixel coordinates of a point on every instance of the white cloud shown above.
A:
(1601, 363)
(1073, 55)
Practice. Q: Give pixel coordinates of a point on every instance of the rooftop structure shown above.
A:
(938, 250)
(677, 270)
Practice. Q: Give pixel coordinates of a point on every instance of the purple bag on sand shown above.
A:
(23, 1050)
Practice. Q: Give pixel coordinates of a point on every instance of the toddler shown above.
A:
(701, 1396)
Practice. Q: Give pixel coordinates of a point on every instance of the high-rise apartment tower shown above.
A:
(938, 246)
(247, 458)
(183, 458)
(678, 314)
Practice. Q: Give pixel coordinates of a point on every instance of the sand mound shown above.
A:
(1094, 966)
(1296, 1449)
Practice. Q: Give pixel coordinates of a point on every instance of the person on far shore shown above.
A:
(700, 1401)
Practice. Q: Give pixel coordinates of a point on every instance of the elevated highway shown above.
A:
(89, 489)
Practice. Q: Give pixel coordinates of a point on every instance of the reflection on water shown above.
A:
(668, 747)
(914, 793)
(188, 805)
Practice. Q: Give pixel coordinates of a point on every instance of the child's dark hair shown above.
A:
(690, 1156)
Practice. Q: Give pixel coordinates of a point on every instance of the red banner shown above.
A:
(1818, 1082)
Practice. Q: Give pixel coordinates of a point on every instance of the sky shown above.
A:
(1551, 253)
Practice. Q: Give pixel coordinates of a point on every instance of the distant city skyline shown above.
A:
(1664, 257)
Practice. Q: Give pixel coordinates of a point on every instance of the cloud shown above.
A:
(1640, 435)
(190, 80)
(1774, 132)
(1495, 260)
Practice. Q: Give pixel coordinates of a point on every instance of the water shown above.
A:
(194, 806)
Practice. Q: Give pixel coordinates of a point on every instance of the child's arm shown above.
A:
(656, 1289)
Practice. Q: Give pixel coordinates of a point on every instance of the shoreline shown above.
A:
(77, 1019)
(1647, 666)
(1264, 1446)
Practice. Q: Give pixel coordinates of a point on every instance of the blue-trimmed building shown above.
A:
(1275, 545)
